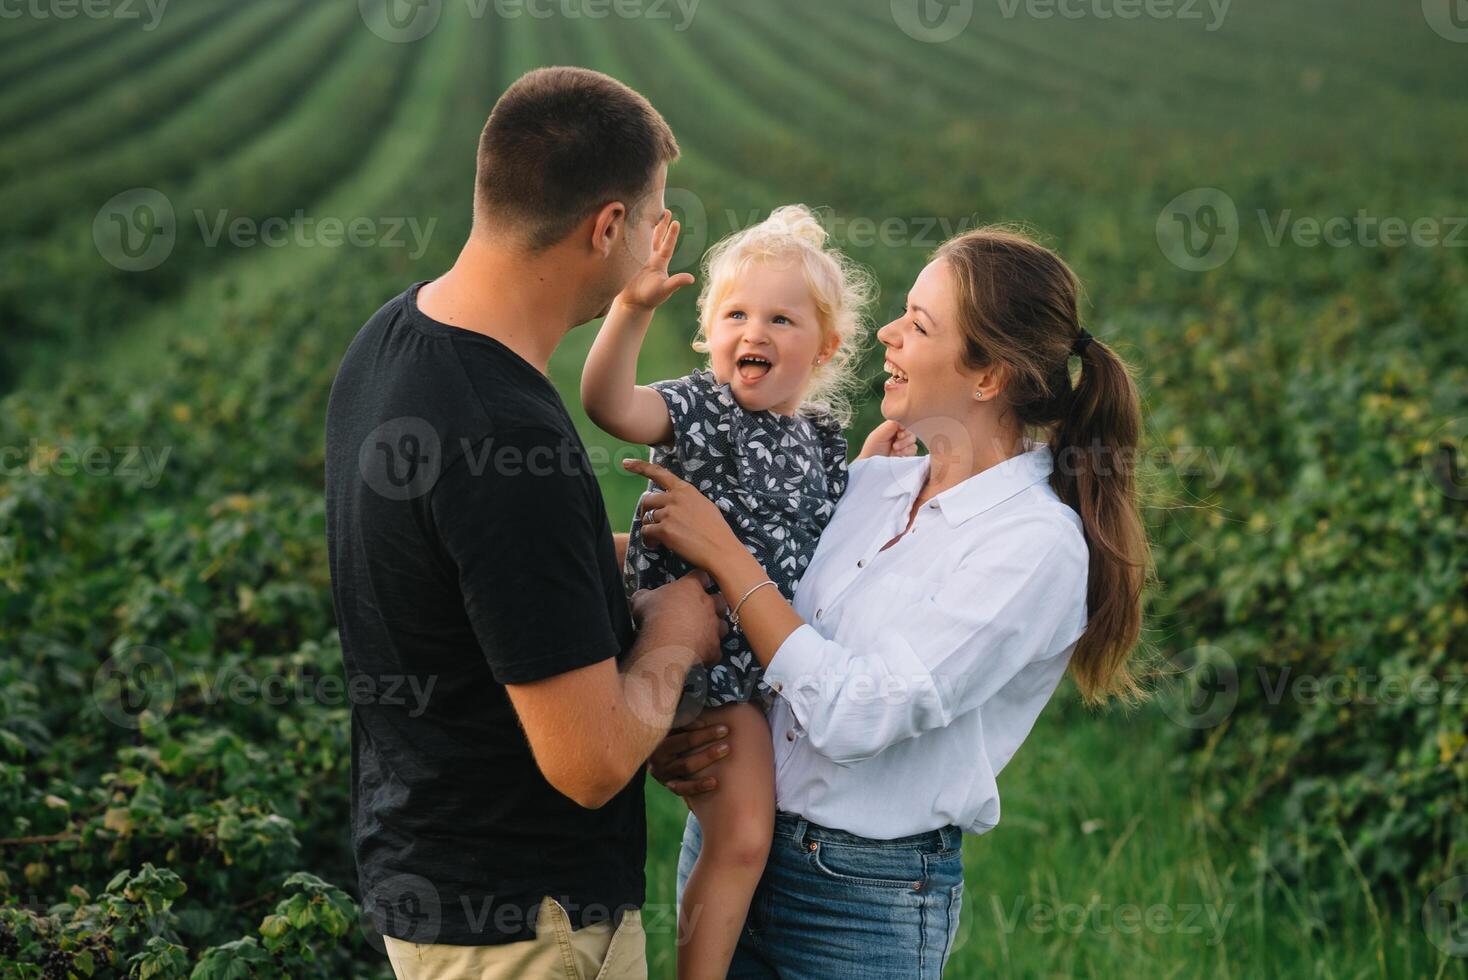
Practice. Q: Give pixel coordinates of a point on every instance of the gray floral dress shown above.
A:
(777, 479)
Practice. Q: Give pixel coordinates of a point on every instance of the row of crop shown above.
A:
(91, 133)
(210, 800)
(283, 168)
(212, 122)
(72, 37)
(40, 95)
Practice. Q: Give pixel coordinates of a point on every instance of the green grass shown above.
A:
(1107, 862)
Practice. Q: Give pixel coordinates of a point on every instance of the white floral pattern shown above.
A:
(777, 479)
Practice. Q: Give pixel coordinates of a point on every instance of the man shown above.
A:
(505, 696)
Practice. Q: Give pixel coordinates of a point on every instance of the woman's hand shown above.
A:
(686, 751)
(681, 518)
(652, 286)
(889, 439)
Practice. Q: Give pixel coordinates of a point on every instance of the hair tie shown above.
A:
(1079, 345)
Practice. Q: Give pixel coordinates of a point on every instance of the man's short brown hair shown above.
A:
(561, 143)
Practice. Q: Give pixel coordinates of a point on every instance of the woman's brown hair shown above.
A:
(1017, 303)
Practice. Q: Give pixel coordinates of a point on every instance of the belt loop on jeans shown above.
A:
(801, 825)
(952, 837)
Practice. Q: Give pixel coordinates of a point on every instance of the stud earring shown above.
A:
(979, 395)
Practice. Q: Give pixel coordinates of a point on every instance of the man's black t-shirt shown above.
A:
(469, 549)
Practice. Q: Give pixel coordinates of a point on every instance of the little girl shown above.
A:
(758, 432)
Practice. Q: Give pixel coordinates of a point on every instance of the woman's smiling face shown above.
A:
(924, 346)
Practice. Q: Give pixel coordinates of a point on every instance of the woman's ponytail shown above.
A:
(1095, 447)
(1018, 303)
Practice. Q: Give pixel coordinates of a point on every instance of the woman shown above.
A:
(945, 600)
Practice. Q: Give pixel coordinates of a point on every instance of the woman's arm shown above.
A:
(1018, 601)
(609, 390)
(694, 527)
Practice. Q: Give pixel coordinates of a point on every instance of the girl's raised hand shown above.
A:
(889, 439)
(652, 286)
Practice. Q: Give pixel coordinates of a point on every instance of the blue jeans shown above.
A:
(835, 905)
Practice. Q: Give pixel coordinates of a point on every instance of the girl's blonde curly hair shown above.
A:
(841, 288)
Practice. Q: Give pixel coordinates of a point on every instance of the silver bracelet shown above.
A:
(734, 616)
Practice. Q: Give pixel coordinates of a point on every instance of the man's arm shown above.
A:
(592, 729)
(524, 545)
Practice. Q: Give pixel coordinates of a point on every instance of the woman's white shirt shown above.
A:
(921, 669)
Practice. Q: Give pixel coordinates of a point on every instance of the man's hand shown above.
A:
(889, 439)
(652, 286)
(684, 753)
(684, 614)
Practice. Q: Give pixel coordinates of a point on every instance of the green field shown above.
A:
(163, 387)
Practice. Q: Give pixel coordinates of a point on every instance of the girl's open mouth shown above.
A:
(752, 367)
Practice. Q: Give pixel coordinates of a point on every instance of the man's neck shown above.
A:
(518, 299)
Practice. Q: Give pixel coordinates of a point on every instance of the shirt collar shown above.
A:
(979, 492)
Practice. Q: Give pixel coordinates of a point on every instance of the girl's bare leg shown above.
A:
(738, 819)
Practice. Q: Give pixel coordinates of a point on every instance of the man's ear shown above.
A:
(609, 225)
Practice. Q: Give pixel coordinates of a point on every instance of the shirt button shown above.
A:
(789, 736)
(818, 613)
(775, 687)
(934, 505)
(861, 563)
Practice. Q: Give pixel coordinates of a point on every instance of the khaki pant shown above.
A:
(558, 952)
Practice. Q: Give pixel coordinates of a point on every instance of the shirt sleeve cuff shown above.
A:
(798, 655)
